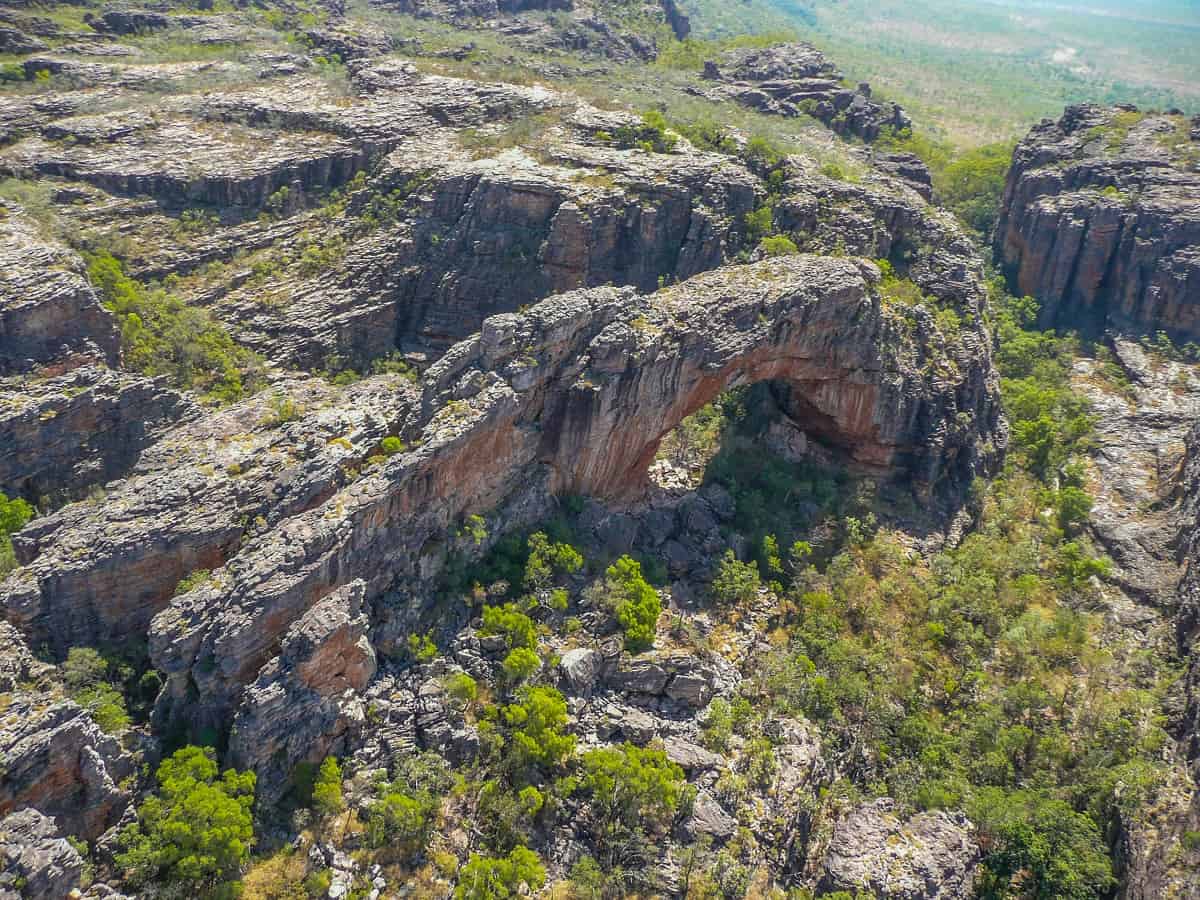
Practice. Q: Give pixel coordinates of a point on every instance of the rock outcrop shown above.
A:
(1101, 220)
(797, 79)
(574, 396)
(307, 702)
(98, 573)
(47, 308)
(58, 761)
(38, 863)
(932, 855)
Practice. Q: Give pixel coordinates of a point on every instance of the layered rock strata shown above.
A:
(574, 396)
(1101, 220)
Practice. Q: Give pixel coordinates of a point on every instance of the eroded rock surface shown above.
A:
(306, 703)
(1101, 220)
(574, 396)
(797, 79)
(931, 855)
(38, 862)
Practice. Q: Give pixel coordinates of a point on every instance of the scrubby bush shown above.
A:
(195, 831)
(161, 335)
(736, 581)
(89, 680)
(538, 723)
(14, 514)
(517, 629)
(633, 601)
(778, 245)
(548, 559)
(327, 789)
(498, 878)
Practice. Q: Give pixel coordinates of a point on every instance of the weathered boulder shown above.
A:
(581, 669)
(574, 396)
(38, 863)
(58, 761)
(932, 855)
(1101, 220)
(306, 703)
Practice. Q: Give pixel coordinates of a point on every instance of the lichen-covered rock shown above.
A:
(1101, 220)
(47, 308)
(66, 433)
(97, 573)
(306, 703)
(38, 863)
(932, 855)
(58, 761)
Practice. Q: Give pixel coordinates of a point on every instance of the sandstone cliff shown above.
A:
(1101, 220)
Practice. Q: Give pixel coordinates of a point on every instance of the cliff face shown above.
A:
(1101, 220)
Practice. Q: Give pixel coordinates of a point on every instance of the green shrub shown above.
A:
(462, 688)
(87, 677)
(538, 722)
(498, 878)
(14, 514)
(548, 559)
(517, 628)
(520, 664)
(652, 135)
(391, 445)
(327, 789)
(736, 581)
(161, 335)
(195, 831)
(633, 786)
(634, 602)
(778, 245)
(401, 821)
(421, 648)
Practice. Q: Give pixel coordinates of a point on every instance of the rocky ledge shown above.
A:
(797, 79)
(1101, 220)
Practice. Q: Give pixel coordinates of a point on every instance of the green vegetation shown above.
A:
(327, 789)
(93, 682)
(195, 832)
(633, 601)
(497, 878)
(736, 581)
(979, 71)
(692, 53)
(537, 722)
(161, 335)
(970, 183)
(652, 135)
(14, 514)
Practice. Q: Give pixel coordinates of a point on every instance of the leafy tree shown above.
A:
(86, 674)
(402, 821)
(778, 245)
(633, 785)
(634, 602)
(736, 581)
(1040, 848)
(14, 514)
(547, 559)
(462, 687)
(520, 664)
(195, 832)
(538, 722)
(327, 789)
(514, 625)
(498, 878)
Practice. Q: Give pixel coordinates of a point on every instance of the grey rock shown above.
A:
(37, 862)
(581, 668)
(932, 855)
(709, 818)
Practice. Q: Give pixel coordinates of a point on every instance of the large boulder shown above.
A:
(932, 856)
(306, 703)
